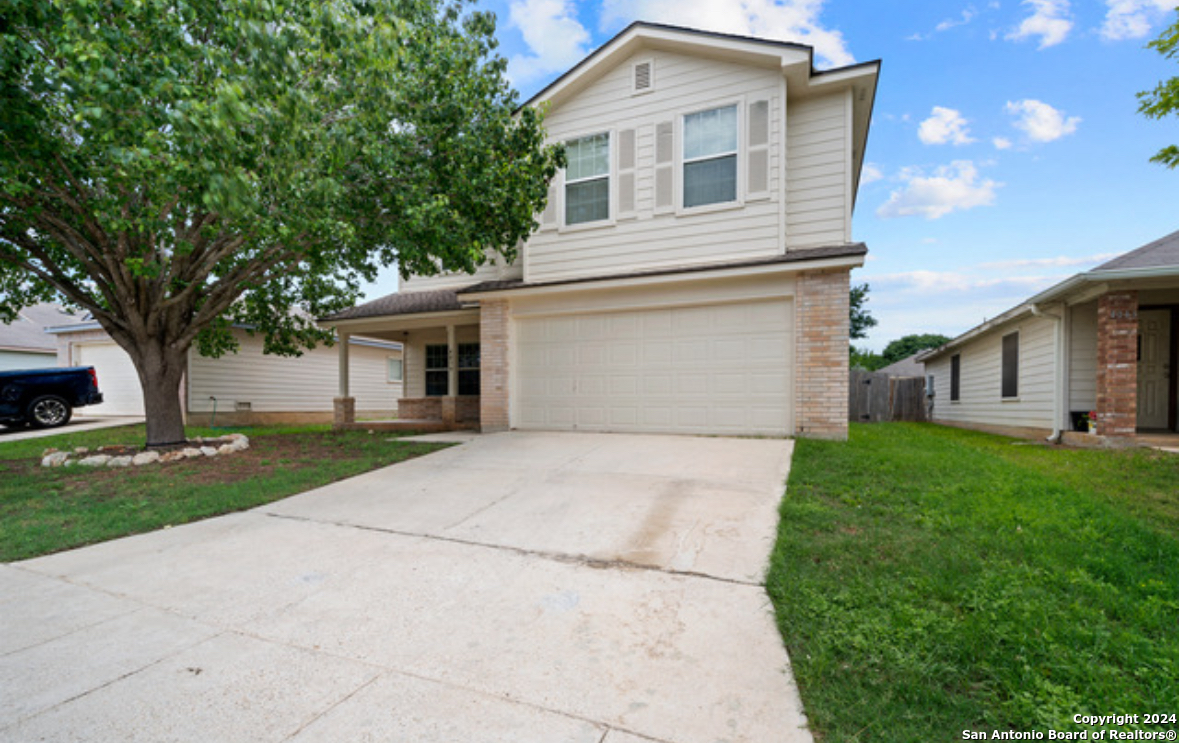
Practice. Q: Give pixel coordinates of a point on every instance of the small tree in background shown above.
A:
(1164, 99)
(861, 318)
(178, 166)
(903, 348)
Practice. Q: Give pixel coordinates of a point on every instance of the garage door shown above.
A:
(725, 369)
(117, 379)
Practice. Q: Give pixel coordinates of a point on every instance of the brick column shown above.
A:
(1117, 363)
(494, 337)
(343, 411)
(821, 354)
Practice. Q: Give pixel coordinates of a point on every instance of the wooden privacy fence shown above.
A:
(875, 397)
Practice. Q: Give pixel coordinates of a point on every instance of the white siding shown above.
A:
(415, 354)
(981, 376)
(817, 171)
(11, 360)
(649, 241)
(281, 384)
(493, 270)
(1083, 357)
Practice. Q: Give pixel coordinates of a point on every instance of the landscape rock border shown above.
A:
(192, 449)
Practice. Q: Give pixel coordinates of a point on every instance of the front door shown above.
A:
(1154, 368)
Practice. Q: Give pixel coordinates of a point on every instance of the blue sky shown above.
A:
(1006, 152)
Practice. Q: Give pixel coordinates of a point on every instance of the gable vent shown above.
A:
(642, 77)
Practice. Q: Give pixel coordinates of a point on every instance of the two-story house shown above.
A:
(690, 273)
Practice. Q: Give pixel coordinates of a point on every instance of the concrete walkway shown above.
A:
(77, 425)
(520, 587)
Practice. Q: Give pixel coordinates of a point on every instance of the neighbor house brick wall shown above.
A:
(821, 346)
(494, 340)
(1117, 363)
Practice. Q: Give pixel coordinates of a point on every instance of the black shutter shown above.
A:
(1011, 365)
(955, 377)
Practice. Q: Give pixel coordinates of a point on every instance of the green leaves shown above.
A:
(1164, 99)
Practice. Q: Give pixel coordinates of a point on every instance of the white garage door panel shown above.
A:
(709, 369)
(117, 379)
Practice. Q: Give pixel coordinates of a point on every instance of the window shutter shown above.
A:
(664, 163)
(758, 151)
(548, 218)
(626, 173)
(1010, 357)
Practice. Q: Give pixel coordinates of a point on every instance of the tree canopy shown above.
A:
(178, 166)
(1164, 99)
(906, 346)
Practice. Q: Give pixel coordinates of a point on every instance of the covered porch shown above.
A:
(441, 369)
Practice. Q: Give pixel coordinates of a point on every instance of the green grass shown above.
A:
(930, 580)
(47, 510)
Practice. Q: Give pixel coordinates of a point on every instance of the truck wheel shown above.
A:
(48, 411)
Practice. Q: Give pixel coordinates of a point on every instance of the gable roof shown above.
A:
(1155, 259)
(1161, 252)
(793, 60)
(27, 332)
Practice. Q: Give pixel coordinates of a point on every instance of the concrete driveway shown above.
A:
(580, 588)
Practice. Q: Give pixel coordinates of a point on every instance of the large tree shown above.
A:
(906, 346)
(178, 166)
(1164, 99)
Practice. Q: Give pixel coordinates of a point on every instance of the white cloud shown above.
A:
(870, 174)
(1056, 262)
(1132, 19)
(1001, 143)
(928, 282)
(1041, 122)
(944, 125)
(946, 25)
(1050, 20)
(953, 187)
(555, 37)
(786, 20)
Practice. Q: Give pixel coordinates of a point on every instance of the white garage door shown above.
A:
(712, 369)
(117, 380)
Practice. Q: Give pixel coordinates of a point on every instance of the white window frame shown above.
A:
(611, 185)
(389, 377)
(680, 161)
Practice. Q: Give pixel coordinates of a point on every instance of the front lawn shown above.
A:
(46, 510)
(930, 580)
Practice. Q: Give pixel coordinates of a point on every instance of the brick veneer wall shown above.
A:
(1117, 363)
(494, 339)
(821, 354)
(430, 408)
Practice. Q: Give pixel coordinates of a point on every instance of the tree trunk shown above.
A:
(161, 369)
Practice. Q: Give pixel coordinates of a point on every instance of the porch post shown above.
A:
(450, 402)
(343, 406)
(1117, 363)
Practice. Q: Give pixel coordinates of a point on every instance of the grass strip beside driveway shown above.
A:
(46, 510)
(929, 580)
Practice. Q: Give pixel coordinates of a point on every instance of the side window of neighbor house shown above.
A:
(587, 179)
(395, 373)
(955, 377)
(710, 157)
(468, 369)
(1011, 365)
(436, 382)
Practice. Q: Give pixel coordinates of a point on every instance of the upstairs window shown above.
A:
(710, 157)
(587, 179)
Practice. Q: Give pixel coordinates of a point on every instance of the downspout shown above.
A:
(1059, 396)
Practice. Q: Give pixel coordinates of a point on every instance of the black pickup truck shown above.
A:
(46, 398)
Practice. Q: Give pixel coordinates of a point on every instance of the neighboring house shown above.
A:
(1102, 341)
(906, 367)
(690, 273)
(247, 387)
(23, 342)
